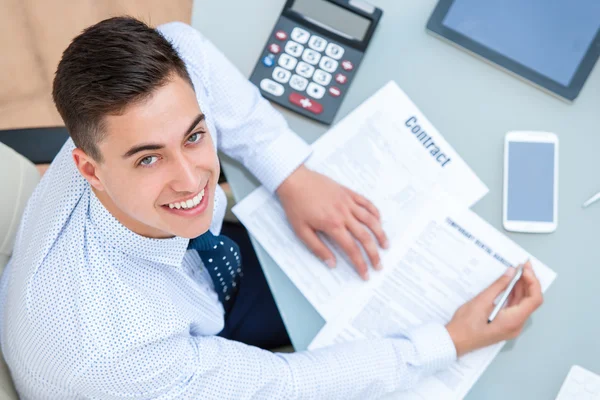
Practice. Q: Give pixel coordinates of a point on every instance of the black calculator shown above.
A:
(313, 53)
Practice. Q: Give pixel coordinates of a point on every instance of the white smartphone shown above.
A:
(530, 182)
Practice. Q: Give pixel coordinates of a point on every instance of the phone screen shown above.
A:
(530, 184)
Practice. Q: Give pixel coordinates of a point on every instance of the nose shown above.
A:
(185, 178)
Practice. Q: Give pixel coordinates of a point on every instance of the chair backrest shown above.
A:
(18, 178)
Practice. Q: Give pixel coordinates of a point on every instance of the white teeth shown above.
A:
(191, 203)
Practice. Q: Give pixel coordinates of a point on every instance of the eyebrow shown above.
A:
(157, 146)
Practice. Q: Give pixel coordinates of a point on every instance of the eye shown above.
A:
(147, 161)
(194, 137)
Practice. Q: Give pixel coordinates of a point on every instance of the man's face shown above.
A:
(159, 169)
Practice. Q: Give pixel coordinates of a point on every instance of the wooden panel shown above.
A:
(33, 35)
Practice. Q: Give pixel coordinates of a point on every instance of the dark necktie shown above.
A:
(221, 256)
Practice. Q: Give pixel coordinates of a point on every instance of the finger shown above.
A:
(366, 203)
(368, 219)
(533, 298)
(316, 245)
(367, 242)
(520, 289)
(497, 287)
(517, 294)
(347, 242)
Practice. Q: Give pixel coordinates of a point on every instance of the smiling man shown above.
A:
(122, 285)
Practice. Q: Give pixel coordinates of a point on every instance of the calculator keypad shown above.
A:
(311, 56)
(287, 61)
(315, 90)
(334, 51)
(317, 43)
(298, 83)
(328, 64)
(322, 77)
(281, 75)
(293, 49)
(305, 71)
(300, 35)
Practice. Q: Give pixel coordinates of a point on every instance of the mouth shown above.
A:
(191, 206)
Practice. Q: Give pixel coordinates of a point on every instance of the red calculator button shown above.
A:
(274, 48)
(306, 103)
(334, 91)
(341, 78)
(347, 65)
(281, 35)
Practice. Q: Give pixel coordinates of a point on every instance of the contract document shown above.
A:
(451, 256)
(385, 150)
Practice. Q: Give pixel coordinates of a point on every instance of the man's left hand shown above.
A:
(315, 203)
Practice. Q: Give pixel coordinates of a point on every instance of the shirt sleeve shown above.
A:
(248, 128)
(188, 367)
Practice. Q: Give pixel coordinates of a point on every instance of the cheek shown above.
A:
(135, 193)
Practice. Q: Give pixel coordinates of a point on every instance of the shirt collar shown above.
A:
(165, 251)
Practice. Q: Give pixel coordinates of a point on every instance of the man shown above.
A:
(106, 296)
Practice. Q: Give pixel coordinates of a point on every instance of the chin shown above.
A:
(191, 229)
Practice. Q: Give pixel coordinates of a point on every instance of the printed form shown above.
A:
(385, 150)
(453, 255)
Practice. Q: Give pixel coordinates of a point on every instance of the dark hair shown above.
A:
(117, 62)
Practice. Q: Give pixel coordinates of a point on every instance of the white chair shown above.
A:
(18, 178)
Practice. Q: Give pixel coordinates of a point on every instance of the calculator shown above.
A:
(312, 54)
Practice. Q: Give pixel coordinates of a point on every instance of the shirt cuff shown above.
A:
(434, 347)
(282, 157)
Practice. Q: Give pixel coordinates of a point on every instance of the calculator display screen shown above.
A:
(333, 16)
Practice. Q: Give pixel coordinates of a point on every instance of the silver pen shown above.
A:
(506, 293)
(592, 200)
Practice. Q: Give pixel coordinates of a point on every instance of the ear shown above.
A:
(88, 168)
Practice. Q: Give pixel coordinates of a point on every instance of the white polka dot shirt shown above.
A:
(91, 310)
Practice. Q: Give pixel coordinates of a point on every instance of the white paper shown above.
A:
(453, 255)
(385, 150)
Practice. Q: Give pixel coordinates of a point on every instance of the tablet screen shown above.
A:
(550, 37)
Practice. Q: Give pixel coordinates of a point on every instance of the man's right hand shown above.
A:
(469, 328)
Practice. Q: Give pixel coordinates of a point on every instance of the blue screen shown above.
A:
(530, 190)
(550, 37)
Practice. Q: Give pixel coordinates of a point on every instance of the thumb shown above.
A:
(495, 289)
(316, 245)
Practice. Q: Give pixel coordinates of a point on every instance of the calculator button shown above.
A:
(306, 103)
(274, 48)
(347, 65)
(287, 61)
(334, 91)
(281, 35)
(300, 35)
(328, 64)
(281, 75)
(299, 83)
(293, 48)
(341, 78)
(334, 51)
(268, 61)
(317, 43)
(304, 69)
(272, 87)
(311, 56)
(314, 90)
(322, 77)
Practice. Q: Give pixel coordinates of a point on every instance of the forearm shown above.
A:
(368, 369)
